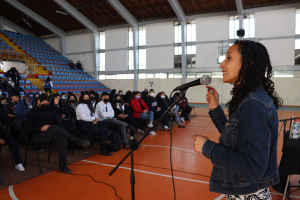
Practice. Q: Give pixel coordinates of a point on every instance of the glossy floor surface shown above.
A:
(152, 170)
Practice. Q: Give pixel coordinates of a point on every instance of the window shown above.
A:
(102, 40)
(142, 59)
(102, 62)
(130, 37)
(130, 60)
(177, 56)
(142, 76)
(249, 26)
(217, 74)
(283, 74)
(191, 56)
(298, 22)
(177, 32)
(110, 76)
(121, 76)
(142, 35)
(101, 77)
(191, 75)
(191, 31)
(161, 75)
(297, 51)
(174, 75)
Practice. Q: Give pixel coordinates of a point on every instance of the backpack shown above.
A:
(116, 142)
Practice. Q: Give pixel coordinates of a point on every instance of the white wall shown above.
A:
(123, 85)
(6, 28)
(116, 60)
(55, 43)
(79, 43)
(275, 23)
(160, 58)
(19, 66)
(116, 38)
(161, 33)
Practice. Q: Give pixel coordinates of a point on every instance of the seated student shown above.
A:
(158, 112)
(71, 106)
(22, 108)
(93, 98)
(3, 102)
(71, 65)
(13, 89)
(174, 111)
(43, 125)
(186, 110)
(36, 96)
(122, 114)
(106, 113)
(140, 110)
(79, 65)
(7, 139)
(9, 108)
(88, 121)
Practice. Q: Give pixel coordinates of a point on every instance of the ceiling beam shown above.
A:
(178, 10)
(36, 17)
(123, 12)
(77, 15)
(17, 28)
(239, 7)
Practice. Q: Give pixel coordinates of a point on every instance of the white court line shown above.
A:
(169, 147)
(146, 172)
(11, 193)
(220, 197)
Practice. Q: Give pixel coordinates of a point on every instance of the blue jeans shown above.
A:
(147, 116)
(175, 110)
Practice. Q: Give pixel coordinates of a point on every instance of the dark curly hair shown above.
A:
(256, 70)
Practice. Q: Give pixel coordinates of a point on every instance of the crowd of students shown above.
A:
(58, 119)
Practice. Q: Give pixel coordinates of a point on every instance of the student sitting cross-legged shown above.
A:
(43, 125)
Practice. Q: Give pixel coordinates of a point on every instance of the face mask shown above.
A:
(138, 97)
(0, 93)
(43, 107)
(162, 96)
(87, 101)
(119, 101)
(36, 98)
(121, 93)
(12, 85)
(152, 94)
(64, 98)
(92, 98)
(28, 102)
(106, 100)
(72, 101)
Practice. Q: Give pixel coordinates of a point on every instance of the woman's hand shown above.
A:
(199, 141)
(56, 100)
(2, 142)
(63, 116)
(212, 97)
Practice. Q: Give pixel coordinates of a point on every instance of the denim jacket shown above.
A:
(245, 159)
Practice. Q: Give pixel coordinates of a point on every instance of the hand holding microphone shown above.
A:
(212, 97)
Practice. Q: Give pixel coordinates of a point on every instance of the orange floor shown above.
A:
(152, 181)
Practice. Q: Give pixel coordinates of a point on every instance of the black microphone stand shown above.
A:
(135, 144)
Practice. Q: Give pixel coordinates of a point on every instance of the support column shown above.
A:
(63, 45)
(184, 53)
(96, 41)
(1, 23)
(135, 31)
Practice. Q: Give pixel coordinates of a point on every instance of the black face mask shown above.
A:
(119, 101)
(106, 100)
(36, 98)
(43, 107)
(72, 101)
(92, 98)
(88, 102)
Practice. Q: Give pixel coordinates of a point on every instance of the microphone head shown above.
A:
(205, 80)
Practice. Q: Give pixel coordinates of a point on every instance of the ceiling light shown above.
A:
(26, 22)
(61, 12)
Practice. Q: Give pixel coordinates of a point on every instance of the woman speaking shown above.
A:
(245, 158)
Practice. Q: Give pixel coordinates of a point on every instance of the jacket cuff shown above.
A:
(216, 112)
(207, 148)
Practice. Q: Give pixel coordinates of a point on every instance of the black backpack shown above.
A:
(116, 142)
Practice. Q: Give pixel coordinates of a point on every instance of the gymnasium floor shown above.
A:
(152, 170)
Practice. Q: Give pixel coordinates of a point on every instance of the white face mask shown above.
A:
(152, 94)
(162, 96)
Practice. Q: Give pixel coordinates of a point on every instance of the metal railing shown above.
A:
(11, 55)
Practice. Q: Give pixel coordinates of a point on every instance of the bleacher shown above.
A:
(5, 46)
(63, 77)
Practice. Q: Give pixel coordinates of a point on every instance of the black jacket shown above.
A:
(36, 118)
(162, 103)
(118, 111)
(71, 112)
(152, 104)
(11, 90)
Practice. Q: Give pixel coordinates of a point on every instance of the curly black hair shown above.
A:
(256, 70)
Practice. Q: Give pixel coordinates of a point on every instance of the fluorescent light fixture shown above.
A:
(61, 12)
(27, 22)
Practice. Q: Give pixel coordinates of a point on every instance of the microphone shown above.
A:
(204, 80)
